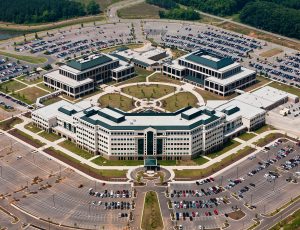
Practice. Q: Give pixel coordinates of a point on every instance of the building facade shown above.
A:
(114, 134)
(80, 76)
(220, 75)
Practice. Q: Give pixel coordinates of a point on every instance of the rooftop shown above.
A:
(89, 62)
(55, 75)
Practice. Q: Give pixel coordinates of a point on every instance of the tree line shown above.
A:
(278, 16)
(173, 11)
(40, 11)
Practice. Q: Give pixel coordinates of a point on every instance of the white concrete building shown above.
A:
(217, 74)
(80, 76)
(115, 134)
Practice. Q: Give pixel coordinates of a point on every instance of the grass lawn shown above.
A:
(111, 173)
(178, 53)
(260, 81)
(285, 88)
(260, 35)
(11, 85)
(141, 71)
(140, 10)
(179, 100)
(227, 146)
(152, 219)
(264, 129)
(117, 101)
(49, 136)
(208, 20)
(29, 95)
(148, 91)
(200, 160)
(41, 85)
(51, 100)
(201, 173)
(167, 162)
(27, 138)
(246, 136)
(267, 139)
(103, 3)
(135, 79)
(30, 82)
(10, 123)
(102, 161)
(271, 52)
(212, 96)
(291, 222)
(31, 127)
(30, 59)
(161, 78)
(74, 149)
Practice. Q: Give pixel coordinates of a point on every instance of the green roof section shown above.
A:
(215, 62)
(86, 63)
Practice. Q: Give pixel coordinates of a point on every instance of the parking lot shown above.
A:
(41, 187)
(283, 67)
(260, 184)
(10, 68)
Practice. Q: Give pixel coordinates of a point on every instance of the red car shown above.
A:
(206, 213)
(212, 179)
(216, 212)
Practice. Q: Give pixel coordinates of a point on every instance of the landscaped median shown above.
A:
(26, 138)
(231, 144)
(292, 222)
(101, 174)
(193, 174)
(152, 219)
(31, 127)
(179, 101)
(30, 59)
(268, 138)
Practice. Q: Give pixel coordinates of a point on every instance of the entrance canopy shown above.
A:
(150, 162)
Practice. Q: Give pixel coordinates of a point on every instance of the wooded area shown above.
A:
(40, 11)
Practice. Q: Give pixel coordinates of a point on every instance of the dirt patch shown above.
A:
(271, 52)
(237, 215)
(35, 143)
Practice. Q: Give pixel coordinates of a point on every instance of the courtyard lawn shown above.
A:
(152, 219)
(135, 79)
(11, 86)
(49, 136)
(212, 96)
(116, 100)
(104, 162)
(30, 82)
(141, 71)
(179, 101)
(51, 100)
(29, 95)
(246, 136)
(148, 91)
(31, 127)
(10, 123)
(227, 146)
(41, 85)
(260, 81)
(286, 88)
(158, 77)
(74, 149)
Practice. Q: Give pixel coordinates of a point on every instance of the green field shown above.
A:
(231, 144)
(264, 129)
(139, 11)
(179, 101)
(29, 94)
(104, 162)
(116, 100)
(141, 71)
(291, 222)
(49, 136)
(51, 100)
(30, 82)
(11, 86)
(41, 85)
(31, 127)
(148, 91)
(157, 77)
(74, 149)
(29, 59)
(152, 219)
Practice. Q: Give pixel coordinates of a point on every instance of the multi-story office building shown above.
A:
(80, 76)
(115, 134)
(214, 73)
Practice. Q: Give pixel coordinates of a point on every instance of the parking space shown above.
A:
(38, 185)
(10, 68)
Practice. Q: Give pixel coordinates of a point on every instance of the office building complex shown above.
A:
(80, 76)
(217, 74)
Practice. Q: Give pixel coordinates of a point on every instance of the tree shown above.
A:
(92, 8)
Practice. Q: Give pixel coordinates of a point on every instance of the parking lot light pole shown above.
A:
(221, 180)
(1, 170)
(95, 184)
(53, 200)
